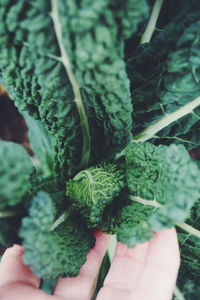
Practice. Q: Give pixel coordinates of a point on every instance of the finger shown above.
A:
(158, 278)
(12, 268)
(126, 267)
(84, 284)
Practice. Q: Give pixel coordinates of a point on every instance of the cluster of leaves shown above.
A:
(90, 104)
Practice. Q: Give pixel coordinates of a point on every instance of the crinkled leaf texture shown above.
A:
(133, 227)
(171, 79)
(165, 182)
(15, 170)
(41, 144)
(189, 274)
(63, 63)
(54, 253)
(92, 190)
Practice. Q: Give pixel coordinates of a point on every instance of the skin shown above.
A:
(148, 271)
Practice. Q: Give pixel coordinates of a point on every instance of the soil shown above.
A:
(12, 125)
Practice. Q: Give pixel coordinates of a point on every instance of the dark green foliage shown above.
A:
(9, 227)
(58, 252)
(166, 175)
(133, 227)
(48, 285)
(15, 170)
(98, 30)
(43, 149)
(130, 14)
(189, 275)
(30, 46)
(92, 190)
(105, 266)
(171, 79)
(42, 89)
(76, 71)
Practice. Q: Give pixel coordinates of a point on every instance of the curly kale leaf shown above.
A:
(165, 78)
(130, 14)
(15, 171)
(63, 63)
(163, 185)
(96, 33)
(92, 190)
(55, 252)
(35, 78)
(189, 274)
(132, 224)
(166, 175)
(41, 144)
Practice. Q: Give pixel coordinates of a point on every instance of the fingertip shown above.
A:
(164, 248)
(102, 240)
(12, 268)
(101, 235)
(13, 250)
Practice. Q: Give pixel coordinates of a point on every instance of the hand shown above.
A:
(148, 271)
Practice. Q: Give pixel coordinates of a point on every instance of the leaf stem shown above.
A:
(151, 131)
(178, 294)
(64, 59)
(191, 230)
(153, 203)
(62, 218)
(112, 246)
(186, 227)
(150, 28)
(6, 214)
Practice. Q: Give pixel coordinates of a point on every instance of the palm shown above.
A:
(148, 271)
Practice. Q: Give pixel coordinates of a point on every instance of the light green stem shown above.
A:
(153, 203)
(150, 28)
(112, 246)
(6, 214)
(178, 294)
(64, 59)
(62, 218)
(191, 230)
(151, 131)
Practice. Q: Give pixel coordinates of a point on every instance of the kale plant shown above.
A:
(110, 93)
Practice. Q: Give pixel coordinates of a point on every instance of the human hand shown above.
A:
(148, 271)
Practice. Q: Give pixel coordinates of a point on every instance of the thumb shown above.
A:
(12, 268)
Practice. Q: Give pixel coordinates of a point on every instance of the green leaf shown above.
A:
(170, 82)
(41, 144)
(92, 190)
(63, 63)
(54, 253)
(15, 171)
(163, 185)
(132, 224)
(166, 175)
(189, 274)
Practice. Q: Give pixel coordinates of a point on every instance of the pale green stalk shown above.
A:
(168, 119)
(6, 214)
(151, 26)
(191, 230)
(178, 294)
